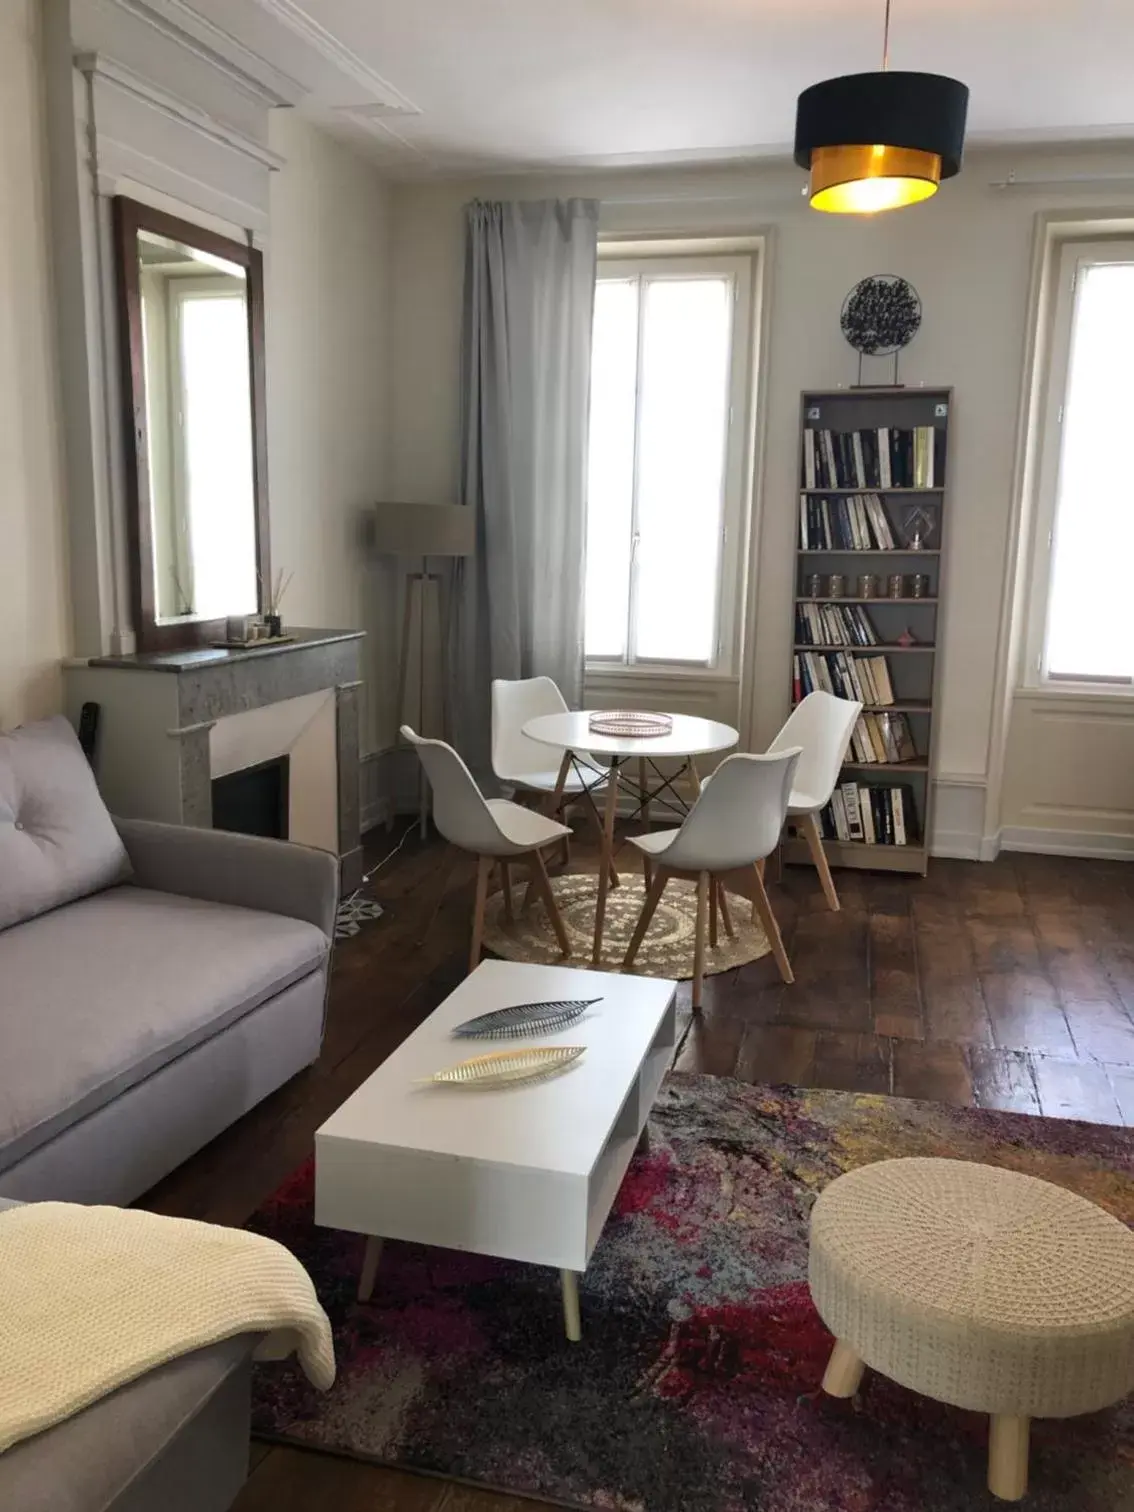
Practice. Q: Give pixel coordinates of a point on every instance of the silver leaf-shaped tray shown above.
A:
(508, 1068)
(525, 1018)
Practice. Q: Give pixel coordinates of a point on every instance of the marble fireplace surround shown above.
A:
(172, 721)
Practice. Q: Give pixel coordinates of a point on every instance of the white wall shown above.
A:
(327, 324)
(34, 621)
(968, 252)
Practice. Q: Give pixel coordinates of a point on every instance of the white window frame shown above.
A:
(616, 265)
(1069, 257)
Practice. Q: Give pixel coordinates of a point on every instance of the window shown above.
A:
(1081, 628)
(669, 367)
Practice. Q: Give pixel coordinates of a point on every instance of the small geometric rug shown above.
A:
(695, 1386)
(353, 913)
(667, 950)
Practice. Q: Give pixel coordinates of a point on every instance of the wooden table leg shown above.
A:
(483, 872)
(703, 881)
(571, 1319)
(369, 1267)
(694, 777)
(607, 857)
(714, 910)
(643, 774)
(506, 885)
(726, 917)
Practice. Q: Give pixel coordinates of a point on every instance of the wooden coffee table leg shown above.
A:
(844, 1371)
(571, 1318)
(606, 858)
(369, 1267)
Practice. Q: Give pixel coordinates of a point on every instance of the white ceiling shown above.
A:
(452, 85)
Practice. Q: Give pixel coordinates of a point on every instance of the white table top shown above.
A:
(690, 736)
(557, 1125)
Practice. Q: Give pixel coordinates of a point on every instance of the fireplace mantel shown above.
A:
(161, 712)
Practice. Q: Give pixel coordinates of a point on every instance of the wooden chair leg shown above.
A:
(483, 872)
(543, 887)
(714, 910)
(726, 916)
(647, 874)
(506, 885)
(844, 1371)
(649, 907)
(763, 910)
(703, 884)
(1008, 1456)
(596, 819)
(760, 865)
(819, 856)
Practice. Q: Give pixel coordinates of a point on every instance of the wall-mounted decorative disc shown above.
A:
(881, 315)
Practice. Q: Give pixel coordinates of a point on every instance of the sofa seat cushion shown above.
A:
(57, 841)
(97, 996)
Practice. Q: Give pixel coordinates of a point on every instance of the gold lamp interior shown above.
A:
(860, 180)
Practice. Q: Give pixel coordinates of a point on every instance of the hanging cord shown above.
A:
(886, 39)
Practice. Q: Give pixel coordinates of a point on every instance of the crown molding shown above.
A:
(99, 66)
(245, 69)
(292, 15)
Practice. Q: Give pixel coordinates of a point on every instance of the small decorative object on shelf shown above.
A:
(236, 629)
(525, 1018)
(815, 585)
(631, 722)
(918, 526)
(880, 316)
(272, 601)
(873, 476)
(507, 1068)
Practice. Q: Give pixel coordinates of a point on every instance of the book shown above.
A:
(853, 810)
(880, 676)
(859, 459)
(809, 470)
(838, 810)
(897, 809)
(884, 480)
(866, 811)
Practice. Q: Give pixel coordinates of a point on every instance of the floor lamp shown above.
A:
(422, 533)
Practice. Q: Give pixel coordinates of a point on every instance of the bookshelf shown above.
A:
(856, 517)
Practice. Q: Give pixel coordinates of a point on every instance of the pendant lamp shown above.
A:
(876, 141)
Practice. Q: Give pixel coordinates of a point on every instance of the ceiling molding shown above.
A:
(245, 69)
(328, 46)
(98, 65)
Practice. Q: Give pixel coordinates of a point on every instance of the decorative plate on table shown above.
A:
(507, 1068)
(525, 1018)
(632, 722)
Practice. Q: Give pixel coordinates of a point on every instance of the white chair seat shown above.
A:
(656, 842)
(522, 829)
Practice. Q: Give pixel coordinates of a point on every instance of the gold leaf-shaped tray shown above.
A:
(506, 1068)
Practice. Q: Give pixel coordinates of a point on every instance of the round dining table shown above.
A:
(581, 747)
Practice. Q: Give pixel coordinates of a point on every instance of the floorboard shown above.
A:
(1008, 985)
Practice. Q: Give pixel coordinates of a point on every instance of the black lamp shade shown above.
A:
(922, 111)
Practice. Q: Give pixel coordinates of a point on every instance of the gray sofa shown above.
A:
(156, 982)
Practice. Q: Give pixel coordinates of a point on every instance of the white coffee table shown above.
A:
(525, 1172)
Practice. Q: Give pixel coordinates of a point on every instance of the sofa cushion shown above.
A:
(57, 841)
(99, 995)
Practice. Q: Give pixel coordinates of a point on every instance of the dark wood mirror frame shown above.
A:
(130, 217)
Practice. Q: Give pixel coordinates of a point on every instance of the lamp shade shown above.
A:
(420, 530)
(873, 141)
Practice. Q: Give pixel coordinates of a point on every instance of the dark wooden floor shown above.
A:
(1008, 985)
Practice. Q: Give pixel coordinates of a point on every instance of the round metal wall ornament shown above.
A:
(880, 316)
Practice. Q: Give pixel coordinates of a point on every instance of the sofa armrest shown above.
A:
(242, 870)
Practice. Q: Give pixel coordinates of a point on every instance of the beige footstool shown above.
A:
(976, 1286)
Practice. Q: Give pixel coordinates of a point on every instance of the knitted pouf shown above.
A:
(976, 1286)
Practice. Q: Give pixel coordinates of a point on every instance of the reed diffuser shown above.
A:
(279, 587)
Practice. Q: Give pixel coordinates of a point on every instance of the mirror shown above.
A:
(192, 310)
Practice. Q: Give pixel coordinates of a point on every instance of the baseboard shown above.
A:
(958, 819)
(964, 845)
(1059, 842)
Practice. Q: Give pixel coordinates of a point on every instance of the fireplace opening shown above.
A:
(253, 801)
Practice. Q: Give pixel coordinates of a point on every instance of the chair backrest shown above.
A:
(821, 725)
(514, 756)
(739, 816)
(459, 809)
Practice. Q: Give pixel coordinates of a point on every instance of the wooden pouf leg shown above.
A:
(571, 1320)
(1008, 1456)
(843, 1375)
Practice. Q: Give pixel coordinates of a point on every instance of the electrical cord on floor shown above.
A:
(377, 867)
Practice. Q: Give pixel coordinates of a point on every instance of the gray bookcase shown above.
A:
(914, 669)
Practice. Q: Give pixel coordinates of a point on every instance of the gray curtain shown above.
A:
(525, 378)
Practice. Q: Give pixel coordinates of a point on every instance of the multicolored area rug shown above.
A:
(695, 1388)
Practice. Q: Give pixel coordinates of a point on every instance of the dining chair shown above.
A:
(820, 725)
(735, 822)
(494, 830)
(522, 763)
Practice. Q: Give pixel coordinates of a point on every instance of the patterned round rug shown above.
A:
(667, 950)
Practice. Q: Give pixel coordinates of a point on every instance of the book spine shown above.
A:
(809, 459)
(859, 459)
(884, 480)
(866, 810)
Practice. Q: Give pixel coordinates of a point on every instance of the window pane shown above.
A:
(218, 454)
(610, 468)
(681, 460)
(1088, 629)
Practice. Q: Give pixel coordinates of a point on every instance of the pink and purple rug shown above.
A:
(695, 1386)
